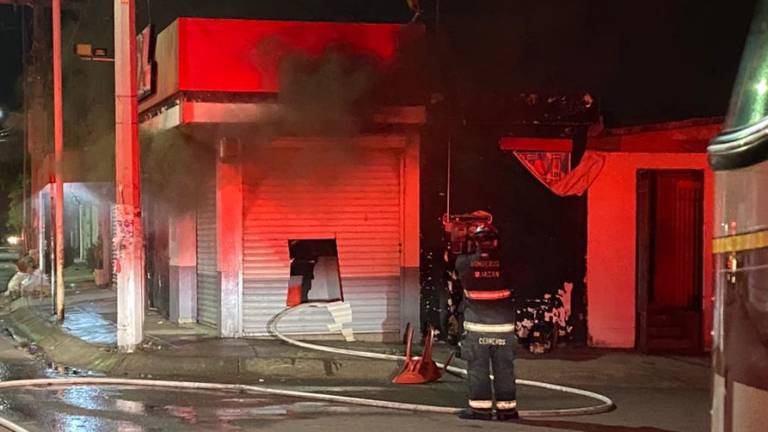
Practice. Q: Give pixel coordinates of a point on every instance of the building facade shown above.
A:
(272, 174)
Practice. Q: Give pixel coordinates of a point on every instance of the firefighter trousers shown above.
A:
(486, 354)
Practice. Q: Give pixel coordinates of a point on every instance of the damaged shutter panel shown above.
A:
(359, 205)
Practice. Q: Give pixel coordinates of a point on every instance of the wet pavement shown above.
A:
(135, 409)
(92, 326)
(653, 394)
(91, 316)
(642, 406)
(90, 408)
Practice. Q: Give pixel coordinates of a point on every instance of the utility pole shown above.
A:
(129, 236)
(58, 142)
(38, 132)
(25, 225)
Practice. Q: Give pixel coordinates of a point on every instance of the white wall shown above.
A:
(611, 235)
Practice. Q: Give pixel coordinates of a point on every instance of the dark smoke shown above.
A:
(327, 96)
(175, 170)
(325, 102)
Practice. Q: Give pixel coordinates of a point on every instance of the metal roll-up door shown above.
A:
(208, 291)
(358, 204)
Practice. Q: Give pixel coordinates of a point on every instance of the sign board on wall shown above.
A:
(145, 63)
(549, 160)
(549, 167)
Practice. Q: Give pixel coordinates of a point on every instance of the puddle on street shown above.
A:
(90, 326)
(110, 408)
(139, 409)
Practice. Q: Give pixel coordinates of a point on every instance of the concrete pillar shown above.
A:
(129, 237)
(410, 295)
(229, 215)
(182, 249)
(58, 140)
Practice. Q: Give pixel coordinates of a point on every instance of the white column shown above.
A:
(58, 140)
(129, 237)
(229, 217)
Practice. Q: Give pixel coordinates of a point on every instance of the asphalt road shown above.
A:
(642, 406)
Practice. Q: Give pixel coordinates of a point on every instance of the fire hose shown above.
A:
(606, 404)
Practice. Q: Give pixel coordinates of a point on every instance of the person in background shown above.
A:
(15, 284)
(36, 283)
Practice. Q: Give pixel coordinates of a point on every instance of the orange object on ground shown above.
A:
(420, 370)
(294, 294)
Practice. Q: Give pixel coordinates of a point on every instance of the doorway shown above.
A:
(669, 261)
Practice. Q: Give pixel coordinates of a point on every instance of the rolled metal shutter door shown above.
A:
(360, 207)
(208, 286)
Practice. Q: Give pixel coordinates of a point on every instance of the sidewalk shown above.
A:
(87, 340)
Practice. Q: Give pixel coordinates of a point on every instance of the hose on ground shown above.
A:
(606, 404)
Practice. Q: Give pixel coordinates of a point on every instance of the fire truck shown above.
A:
(739, 157)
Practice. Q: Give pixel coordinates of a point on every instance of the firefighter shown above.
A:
(489, 339)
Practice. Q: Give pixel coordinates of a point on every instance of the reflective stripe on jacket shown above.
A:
(487, 295)
(489, 328)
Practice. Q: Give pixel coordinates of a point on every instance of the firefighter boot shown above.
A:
(474, 414)
(507, 415)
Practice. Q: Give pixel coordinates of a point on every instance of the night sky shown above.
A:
(10, 56)
(10, 100)
(645, 61)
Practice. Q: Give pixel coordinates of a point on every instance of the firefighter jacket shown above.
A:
(489, 307)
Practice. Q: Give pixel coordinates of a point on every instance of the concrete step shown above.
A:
(665, 320)
(667, 332)
(671, 345)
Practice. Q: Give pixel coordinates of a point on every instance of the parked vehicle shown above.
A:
(739, 157)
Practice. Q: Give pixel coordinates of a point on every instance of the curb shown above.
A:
(64, 349)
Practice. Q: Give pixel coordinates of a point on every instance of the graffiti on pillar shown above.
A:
(127, 232)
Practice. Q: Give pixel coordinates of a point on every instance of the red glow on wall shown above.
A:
(244, 55)
(611, 244)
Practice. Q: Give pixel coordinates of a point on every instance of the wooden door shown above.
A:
(669, 260)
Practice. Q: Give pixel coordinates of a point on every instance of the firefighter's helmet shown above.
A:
(484, 231)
